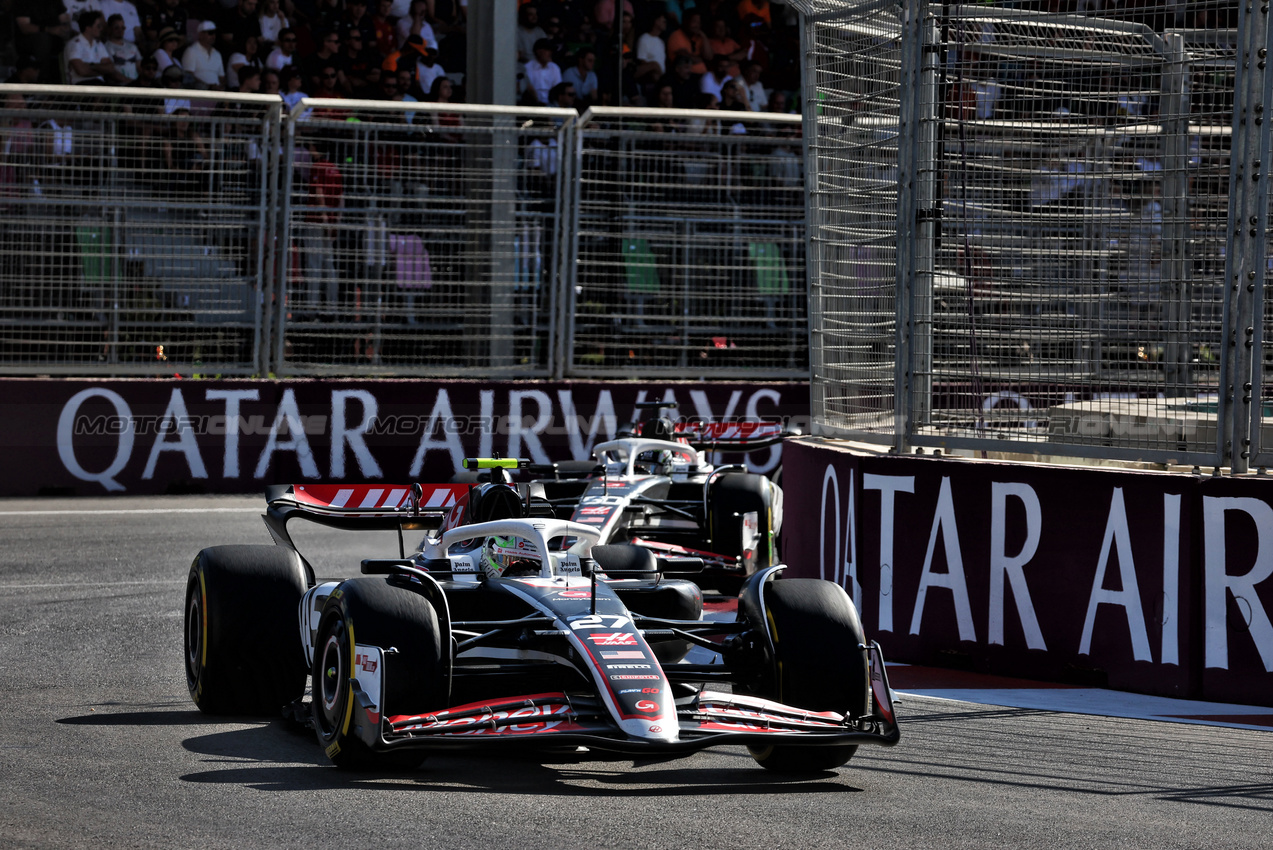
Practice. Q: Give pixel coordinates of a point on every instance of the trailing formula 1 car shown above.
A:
(522, 631)
(654, 487)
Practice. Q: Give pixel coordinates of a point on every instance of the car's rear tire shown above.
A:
(817, 665)
(373, 612)
(731, 497)
(243, 651)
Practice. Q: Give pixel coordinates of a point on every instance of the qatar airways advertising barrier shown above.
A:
(1155, 582)
(146, 436)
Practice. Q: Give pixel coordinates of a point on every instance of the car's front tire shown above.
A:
(243, 653)
(817, 665)
(373, 612)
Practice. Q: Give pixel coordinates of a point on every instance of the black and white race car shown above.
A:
(655, 487)
(521, 630)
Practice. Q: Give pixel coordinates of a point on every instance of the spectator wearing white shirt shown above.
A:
(715, 81)
(416, 24)
(272, 21)
(166, 53)
(127, 11)
(203, 60)
(542, 73)
(282, 56)
(123, 52)
(756, 95)
(87, 60)
(75, 8)
(652, 51)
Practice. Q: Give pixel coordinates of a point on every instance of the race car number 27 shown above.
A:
(599, 621)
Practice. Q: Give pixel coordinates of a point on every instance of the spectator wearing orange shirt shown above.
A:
(689, 39)
(722, 43)
(759, 8)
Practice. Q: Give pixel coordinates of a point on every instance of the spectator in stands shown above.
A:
(651, 54)
(563, 96)
(249, 80)
(272, 22)
(203, 61)
(245, 55)
(703, 126)
(169, 15)
(123, 53)
(582, 76)
(721, 41)
(270, 82)
(357, 61)
(756, 95)
(357, 18)
(685, 87)
(233, 25)
(26, 73)
(312, 67)
(417, 23)
(689, 40)
(318, 236)
(166, 53)
(427, 70)
(292, 81)
(43, 26)
(147, 74)
(714, 82)
(734, 99)
(174, 79)
(382, 22)
(529, 33)
(367, 83)
(542, 73)
(185, 156)
(445, 122)
(755, 35)
(128, 12)
(757, 8)
(285, 54)
(88, 62)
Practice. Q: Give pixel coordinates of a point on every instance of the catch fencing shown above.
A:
(1021, 226)
(134, 230)
(364, 238)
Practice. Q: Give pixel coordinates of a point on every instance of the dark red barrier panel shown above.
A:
(1235, 562)
(145, 436)
(1065, 574)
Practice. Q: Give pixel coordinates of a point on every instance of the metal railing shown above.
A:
(1020, 229)
(134, 228)
(688, 237)
(395, 238)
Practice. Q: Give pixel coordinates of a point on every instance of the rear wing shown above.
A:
(733, 436)
(362, 507)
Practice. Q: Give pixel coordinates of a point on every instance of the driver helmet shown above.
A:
(656, 462)
(507, 557)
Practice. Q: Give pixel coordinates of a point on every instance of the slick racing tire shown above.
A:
(817, 665)
(733, 495)
(242, 645)
(373, 612)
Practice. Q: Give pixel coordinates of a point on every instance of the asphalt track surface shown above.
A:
(101, 747)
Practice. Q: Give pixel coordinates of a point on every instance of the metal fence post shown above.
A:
(913, 334)
(284, 206)
(1175, 112)
(1247, 220)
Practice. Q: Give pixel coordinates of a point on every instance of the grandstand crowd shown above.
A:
(731, 54)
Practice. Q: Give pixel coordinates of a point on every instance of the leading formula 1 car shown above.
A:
(654, 486)
(518, 631)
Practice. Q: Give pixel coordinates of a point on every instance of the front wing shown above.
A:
(706, 719)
